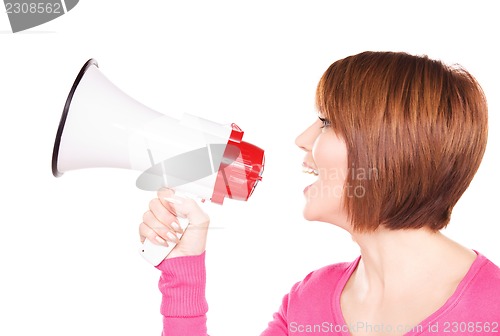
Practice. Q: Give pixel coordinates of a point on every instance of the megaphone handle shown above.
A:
(155, 253)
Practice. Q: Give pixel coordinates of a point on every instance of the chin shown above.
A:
(309, 213)
(318, 215)
(312, 214)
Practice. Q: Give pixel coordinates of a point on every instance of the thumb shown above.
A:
(185, 207)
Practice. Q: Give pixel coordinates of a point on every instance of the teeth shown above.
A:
(308, 170)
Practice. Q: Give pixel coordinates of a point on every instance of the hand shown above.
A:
(160, 224)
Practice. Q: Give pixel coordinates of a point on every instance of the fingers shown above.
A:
(183, 207)
(165, 194)
(159, 225)
(161, 232)
(163, 215)
(170, 201)
(146, 232)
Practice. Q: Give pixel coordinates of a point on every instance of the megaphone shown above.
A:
(101, 126)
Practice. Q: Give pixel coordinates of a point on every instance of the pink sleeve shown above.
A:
(279, 325)
(184, 306)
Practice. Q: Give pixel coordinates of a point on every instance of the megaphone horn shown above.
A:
(101, 126)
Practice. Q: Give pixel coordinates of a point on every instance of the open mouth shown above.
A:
(308, 170)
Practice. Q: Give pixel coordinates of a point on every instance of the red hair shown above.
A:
(420, 124)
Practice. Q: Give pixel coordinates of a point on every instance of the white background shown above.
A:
(68, 247)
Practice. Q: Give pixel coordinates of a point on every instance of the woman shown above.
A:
(402, 137)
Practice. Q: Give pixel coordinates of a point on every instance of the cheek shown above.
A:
(330, 156)
(324, 197)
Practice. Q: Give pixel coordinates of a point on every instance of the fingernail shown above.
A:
(176, 226)
(172, 200)
(171, 237)
(160, 240)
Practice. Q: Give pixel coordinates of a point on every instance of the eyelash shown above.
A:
(325, 122)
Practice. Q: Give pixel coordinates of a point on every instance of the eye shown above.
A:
(325, 122)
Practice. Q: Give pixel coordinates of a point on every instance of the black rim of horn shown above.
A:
(62, 122)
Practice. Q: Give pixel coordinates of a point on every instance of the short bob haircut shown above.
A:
(419, 124)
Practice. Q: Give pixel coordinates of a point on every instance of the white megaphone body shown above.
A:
(101, 126)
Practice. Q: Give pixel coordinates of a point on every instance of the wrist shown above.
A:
(192, 243)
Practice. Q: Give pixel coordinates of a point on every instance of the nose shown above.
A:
(306, 139)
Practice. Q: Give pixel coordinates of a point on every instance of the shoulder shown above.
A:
(314, 295)
(485, 277)
(325, 278)
(477, 295)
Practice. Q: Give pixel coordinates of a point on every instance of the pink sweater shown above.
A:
(313, 305)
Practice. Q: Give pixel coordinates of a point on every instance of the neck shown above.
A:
(403, 258)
